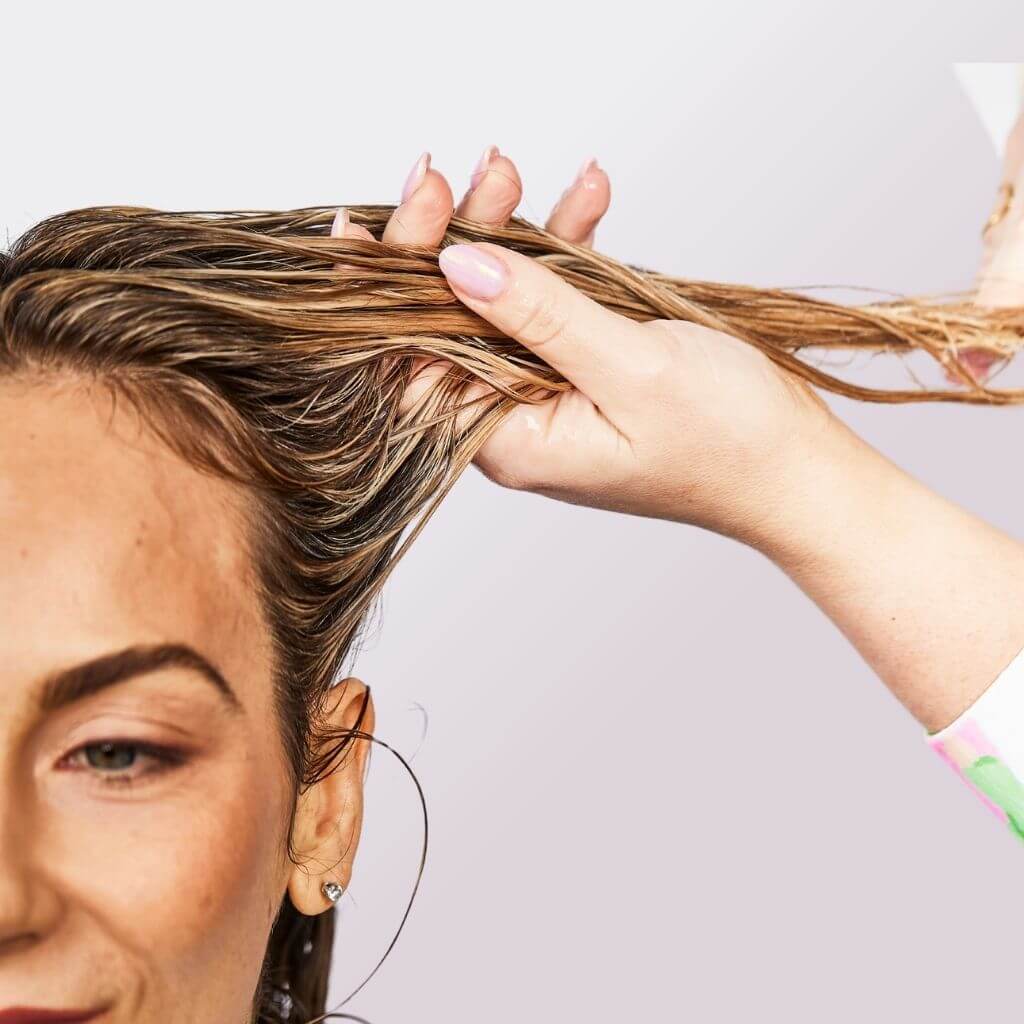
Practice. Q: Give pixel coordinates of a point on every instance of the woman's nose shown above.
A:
(29, 903)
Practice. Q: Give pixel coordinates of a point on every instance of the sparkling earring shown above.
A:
(332, 891)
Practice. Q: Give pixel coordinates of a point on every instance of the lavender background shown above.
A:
(661, 785)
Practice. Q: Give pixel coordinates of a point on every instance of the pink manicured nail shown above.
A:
(474, 271)
(340, 223)
(482, 164)
(588, 165)
(416, 176)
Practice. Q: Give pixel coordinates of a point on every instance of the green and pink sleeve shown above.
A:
(985, 746)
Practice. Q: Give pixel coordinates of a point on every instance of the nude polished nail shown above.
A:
(416, 176)
(340, 223)
(588, 165)
(482, 164)
(474, 271)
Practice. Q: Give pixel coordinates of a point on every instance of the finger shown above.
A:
(576, 214)
(994, 234)
(344, 228)
(1013, 166)
(426, 208)
(536, 445)
(494, 193)
(978, 361)
(1000, 280)
(495, 189)
(426, 373)
(541, 447)
(602, 353)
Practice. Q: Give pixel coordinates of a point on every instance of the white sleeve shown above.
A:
(984, 744)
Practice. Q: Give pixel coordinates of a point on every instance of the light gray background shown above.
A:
(661, 785)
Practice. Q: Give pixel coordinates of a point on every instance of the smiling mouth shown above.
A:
(29, 1015)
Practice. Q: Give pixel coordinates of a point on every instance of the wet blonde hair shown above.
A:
(266, 351)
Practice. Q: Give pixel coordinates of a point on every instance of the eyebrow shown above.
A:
(80, 681)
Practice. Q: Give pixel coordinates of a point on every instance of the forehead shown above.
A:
(109, 539)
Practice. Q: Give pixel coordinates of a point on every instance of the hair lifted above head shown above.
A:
(266, 351)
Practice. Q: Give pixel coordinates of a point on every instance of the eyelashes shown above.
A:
(122, 762)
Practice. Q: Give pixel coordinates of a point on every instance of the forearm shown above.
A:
(930, 595)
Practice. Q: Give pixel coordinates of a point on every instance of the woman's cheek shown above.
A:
(178, 873)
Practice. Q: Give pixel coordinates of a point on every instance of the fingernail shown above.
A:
(476, 272)
(588, 165)
(340, 223)
(416, 176)
(482, 164)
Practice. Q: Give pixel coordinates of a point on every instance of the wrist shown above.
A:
(823, 492)
(929, 594)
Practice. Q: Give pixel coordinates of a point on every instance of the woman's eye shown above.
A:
(120, 760)
(111, 756)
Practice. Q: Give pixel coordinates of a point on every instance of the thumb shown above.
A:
(600, 352)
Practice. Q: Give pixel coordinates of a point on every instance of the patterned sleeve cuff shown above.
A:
(984, 745)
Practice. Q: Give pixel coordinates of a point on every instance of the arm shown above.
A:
(931, 596)
(679, 422)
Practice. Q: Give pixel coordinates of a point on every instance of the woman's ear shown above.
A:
(329, 813)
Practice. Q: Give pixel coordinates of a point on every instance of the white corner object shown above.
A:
(997, 92)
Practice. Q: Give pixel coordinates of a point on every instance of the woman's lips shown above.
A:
(28, 1015)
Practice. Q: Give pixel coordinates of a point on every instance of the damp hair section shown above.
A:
(267, 352)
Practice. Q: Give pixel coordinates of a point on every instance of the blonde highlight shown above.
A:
(273, 354)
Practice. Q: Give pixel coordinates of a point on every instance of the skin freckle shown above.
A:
(153, 782)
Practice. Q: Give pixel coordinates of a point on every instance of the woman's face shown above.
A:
(144, 796)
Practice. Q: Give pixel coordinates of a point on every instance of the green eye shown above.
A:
(110, 757)
(121, 762)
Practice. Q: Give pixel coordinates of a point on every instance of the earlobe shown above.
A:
(332, 891)
(329, 813)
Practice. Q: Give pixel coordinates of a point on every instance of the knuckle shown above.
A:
(503, 190)
(659, 361)
(545, 320)
(510, 467)
(505, 476)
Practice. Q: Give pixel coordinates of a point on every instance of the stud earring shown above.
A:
(332, 891)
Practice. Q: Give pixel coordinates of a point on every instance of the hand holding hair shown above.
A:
(308, 399)
(672, 419)
(580, 377)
